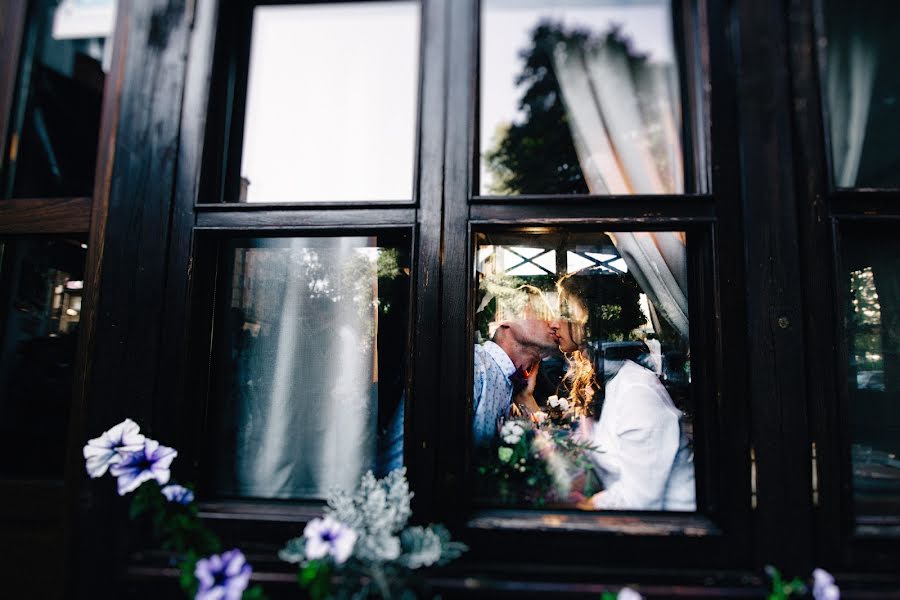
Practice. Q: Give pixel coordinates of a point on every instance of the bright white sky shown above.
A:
(506, 30)
(331, 102)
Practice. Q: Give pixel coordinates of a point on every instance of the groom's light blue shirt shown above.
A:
(492, 391)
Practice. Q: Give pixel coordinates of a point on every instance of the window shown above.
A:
(582, 371)
(309, 364)
(869, 276)
(308, 241)
(54, 81)
(861, 94)
(849, 210)
(313, 336)
(561, 82)
(43, 281)
(348, 107)
(55, 119)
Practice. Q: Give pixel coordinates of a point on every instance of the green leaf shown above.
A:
(315, 577)
(186, 579)
(254, 593)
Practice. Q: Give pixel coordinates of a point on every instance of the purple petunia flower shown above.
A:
(102, 452)
(150, 462)
(178, 494)
(222, 576)
(329, 537)
(824, 587)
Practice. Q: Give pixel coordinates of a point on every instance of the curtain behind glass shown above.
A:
(625, 119)
(303, 404)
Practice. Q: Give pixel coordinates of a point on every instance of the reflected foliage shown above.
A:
(537, 156)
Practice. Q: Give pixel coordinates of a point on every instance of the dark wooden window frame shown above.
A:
(704, 216)
(850, 542)
(444, 214)
(56, 501)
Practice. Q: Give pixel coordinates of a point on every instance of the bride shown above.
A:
(641, 452)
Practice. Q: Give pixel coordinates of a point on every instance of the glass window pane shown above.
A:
(582, 371)
(862, 91)
(66, 53)
(41, 284)
(310, 358)
(579, 96)
(331, 103)
(872, 280)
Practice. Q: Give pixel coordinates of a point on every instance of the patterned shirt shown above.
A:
(493, 391)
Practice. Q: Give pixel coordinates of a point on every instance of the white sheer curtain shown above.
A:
(306, 401)
(624, 116)
(852, 65)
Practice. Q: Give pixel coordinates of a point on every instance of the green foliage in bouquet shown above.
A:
(538, 464)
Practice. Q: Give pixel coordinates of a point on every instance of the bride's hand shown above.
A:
(525, 397)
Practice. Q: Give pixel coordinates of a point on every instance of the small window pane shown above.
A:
(40, 302)
(331, 103)
(863, 92)
(66, 53)
(872, 280)
(579, 97)
(310, 359)
(582, 371)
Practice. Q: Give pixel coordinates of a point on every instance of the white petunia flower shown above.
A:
(627, 593)
(329, 537)
(824, 587)
(553, 401)
(563, 404)
(108, 449)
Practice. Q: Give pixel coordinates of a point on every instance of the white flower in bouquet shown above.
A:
(557, 402)
(512, 432)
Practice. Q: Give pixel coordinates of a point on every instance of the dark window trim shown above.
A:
(826, 211)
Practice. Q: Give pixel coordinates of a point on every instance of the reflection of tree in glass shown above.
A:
(537, 155)
(330, 277)
(865, 318)
(353, 277)
(504, 297)
(612, 301)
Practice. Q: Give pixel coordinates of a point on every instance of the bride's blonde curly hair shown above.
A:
(580, 378)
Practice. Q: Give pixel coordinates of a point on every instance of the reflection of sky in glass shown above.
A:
(506, 31)
(331, 102)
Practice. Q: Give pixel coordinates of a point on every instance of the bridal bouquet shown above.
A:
(364, 539)
(539, 461)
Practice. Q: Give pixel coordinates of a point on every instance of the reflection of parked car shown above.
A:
(870, 380)
(611, 355)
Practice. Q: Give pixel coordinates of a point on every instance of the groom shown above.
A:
(517, 347)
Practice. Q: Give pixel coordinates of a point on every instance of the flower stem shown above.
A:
(380, 579)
